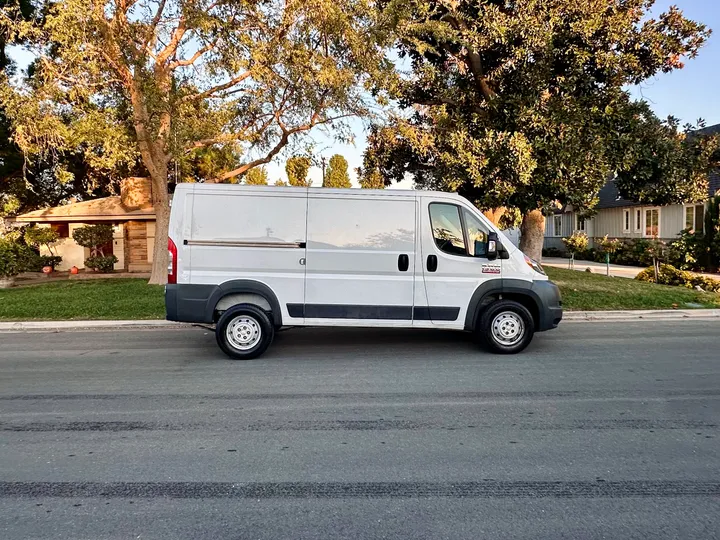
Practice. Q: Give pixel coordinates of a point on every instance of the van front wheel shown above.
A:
(244, 332)
(506, 327)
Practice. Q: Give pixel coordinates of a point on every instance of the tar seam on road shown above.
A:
(353, 425)
(343, 490)
(358, 395)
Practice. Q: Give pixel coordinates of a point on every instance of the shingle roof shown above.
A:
(714, 183)
(610, 197)
(105, 209)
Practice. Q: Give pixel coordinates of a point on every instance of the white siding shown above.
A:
(672, 221)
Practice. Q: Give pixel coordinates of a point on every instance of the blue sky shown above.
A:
(688, 94)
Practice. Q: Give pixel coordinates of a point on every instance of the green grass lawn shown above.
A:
(135, 299)
(591, 292)
(83, 300)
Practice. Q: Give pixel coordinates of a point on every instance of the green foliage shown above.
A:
(94, 237)
(118, 80)
(370, 179)
(522, 104)
(669, 275)
(297, 168)
(14, 258)
(609, 245)
(207, 164)
(41, 236)
(337, 174)
(576, 243)
(281, 183)
(256, 177)
(37, 262)
(101, 263)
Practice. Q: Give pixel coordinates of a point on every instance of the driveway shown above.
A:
(597, 431)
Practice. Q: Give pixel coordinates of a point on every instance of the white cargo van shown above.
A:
(253, 259)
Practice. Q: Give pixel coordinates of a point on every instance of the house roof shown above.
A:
(609, 197)
(105, 209)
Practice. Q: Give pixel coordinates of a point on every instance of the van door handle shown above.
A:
(431, 263)
(403, 263)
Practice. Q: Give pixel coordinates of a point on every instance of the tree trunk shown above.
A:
(162, 220)
(532, 234)
(495, 215)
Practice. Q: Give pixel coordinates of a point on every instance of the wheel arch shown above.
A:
(507, 289)
(244, 291)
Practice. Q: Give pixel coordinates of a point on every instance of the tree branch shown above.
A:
(284, 139)
(190, 61)
(219, 88)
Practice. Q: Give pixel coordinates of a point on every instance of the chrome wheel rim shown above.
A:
(243, 332)
(508, 328)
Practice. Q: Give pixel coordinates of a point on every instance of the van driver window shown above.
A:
(477, 235)
(447, 228)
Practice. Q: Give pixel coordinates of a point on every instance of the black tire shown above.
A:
(514, 327)
(252, 325)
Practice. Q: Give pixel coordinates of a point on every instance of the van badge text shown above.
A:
(490, 269)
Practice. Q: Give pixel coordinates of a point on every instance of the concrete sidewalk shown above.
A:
(569, 316)
(616, 270)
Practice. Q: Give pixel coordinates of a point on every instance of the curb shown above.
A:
(22, 326)
(644, 315)
(568, 316)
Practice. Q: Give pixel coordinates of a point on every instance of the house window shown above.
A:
(695, 217)
(580, 225)
(626, 221)
(638, 220)
(652, 222)
(62, 229)
(557, 225)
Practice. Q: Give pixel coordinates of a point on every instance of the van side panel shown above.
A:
(252, 236)
(360, 259)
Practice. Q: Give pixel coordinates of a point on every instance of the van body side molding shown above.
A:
(242, 243)
(395, 313)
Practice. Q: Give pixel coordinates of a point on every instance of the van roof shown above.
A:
(289, 189)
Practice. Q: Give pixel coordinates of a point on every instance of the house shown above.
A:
(619, 218)
(131, 214)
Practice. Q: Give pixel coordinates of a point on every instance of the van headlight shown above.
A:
(532, 263)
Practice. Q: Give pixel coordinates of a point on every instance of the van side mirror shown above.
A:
(492, 246)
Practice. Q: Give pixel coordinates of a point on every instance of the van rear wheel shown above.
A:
(506, 327)
(244, 332)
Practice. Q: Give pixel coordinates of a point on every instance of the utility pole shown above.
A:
(322, 163)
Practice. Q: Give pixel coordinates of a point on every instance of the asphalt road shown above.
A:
(597, 431)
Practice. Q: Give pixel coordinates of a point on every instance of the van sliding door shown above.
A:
(360, 259)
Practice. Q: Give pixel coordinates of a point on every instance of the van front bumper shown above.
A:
(550, 311)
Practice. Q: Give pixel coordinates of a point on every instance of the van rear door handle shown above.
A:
(403, 263)
(431, 263)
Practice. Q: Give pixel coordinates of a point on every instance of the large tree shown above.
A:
(520, 104)
(189, 75)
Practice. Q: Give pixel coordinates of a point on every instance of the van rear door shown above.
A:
(360, 258)
(453, 264)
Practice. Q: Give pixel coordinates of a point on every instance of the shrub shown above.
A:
(669, 275)
(576, 243)
(101, 263)
(552, 252)
(94, 237)
(41, 236)
(14, 258)
(37, 262)
(609, 245)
